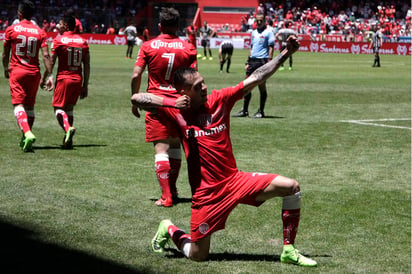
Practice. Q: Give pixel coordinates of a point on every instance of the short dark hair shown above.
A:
(180, 76)
(26, 8)
(70, 21)
(169, 17)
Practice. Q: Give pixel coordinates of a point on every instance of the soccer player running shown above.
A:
(24, 41)
(216, 183)
(72, 76)
(163, 55)
(282, 35)
(225, 54)
(262, 42)
(376, 43)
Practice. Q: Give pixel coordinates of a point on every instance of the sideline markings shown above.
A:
(372, 122)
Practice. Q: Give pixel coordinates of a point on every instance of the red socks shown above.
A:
(174, 174)
(162, 166)
(22, 119)
(290, 218)
(178, 236)
(63, 119)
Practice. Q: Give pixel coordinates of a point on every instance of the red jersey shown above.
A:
(164, 55)
(25, 40)
(79, 27)
(71, 50)
(206, 139)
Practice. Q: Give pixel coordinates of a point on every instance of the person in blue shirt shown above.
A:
(262, 44)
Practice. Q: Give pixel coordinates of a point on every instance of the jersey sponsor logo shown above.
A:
(66, 40)
(156, 44)
(203, 228)
(19, 28)
(207, 132)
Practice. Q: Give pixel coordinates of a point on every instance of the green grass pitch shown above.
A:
(337, 125)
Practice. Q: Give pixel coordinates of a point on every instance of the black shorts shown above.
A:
(131, 43)
(205, 43)
(255, 63)
(227, 49)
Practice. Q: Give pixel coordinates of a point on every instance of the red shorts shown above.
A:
(24, 85)
(158, 127)
(242, 188)
(67, 92)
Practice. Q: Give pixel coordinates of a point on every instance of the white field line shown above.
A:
(371, 122)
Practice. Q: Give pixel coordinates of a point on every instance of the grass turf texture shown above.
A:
(91, 209)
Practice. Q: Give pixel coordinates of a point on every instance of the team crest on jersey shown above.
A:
(203, 228)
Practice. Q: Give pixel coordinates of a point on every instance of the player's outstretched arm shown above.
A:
(264, 72)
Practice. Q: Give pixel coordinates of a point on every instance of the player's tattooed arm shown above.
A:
(264, 72)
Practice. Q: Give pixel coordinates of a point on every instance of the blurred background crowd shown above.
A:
(353, 19)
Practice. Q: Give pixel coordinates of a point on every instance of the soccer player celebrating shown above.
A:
(25, 40)
(72, 80)
(217, 185)
(163, 55)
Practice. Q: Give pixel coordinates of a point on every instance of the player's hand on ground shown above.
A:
(292, 44)
(183, 102)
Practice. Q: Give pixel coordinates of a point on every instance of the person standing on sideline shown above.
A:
(145, 34)
(24, 41)
(163, 55)
(282, 35)
(206, 33)
(376, 43)
(225, 54)
(72, 76)
(191, 34)
(262, 43)
(217, 184)
(131, 33)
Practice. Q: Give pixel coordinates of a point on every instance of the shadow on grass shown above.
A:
(266, 117)
(238, 256)
(21, 252)
(178, 201)
(60, 147)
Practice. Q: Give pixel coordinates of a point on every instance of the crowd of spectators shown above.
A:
(352, 20)
(96, 16)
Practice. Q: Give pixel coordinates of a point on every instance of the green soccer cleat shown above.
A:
(281, 68)
(290, 68)
(162, 237)
(210, 58)
(68, 138)
(28, 141)
(291, 255)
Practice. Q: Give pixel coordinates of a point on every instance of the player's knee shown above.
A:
(290, 186)
(198, 256)
(293, 186)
